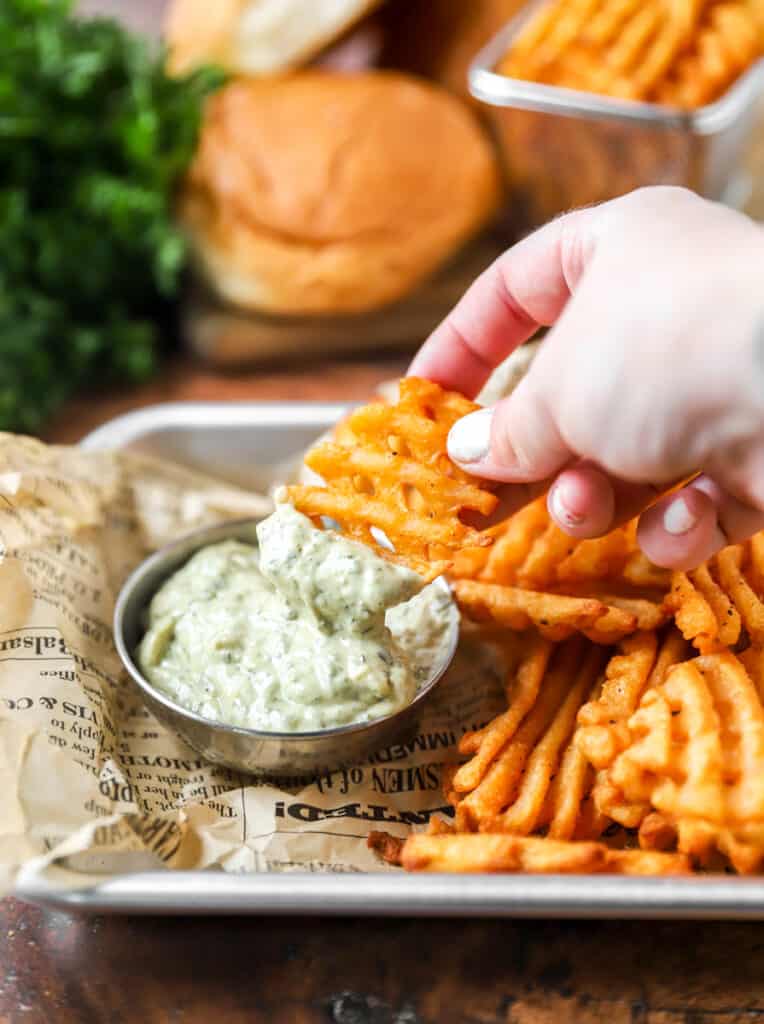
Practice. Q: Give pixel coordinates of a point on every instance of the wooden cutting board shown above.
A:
(227, 337)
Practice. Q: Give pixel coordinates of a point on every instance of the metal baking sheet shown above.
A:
(556, 896)
(229, 439)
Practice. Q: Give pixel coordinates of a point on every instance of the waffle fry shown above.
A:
(526, 773)
(550, 761)
(628, 48)
(728, 43)
(555, 616)
(603, 732)
(603, 620)
(594, 745)
(682, 52)
(730, 562)
(717, 603)
(695, 763)
(507, 854)
(392, 473)
(530, 551)
(606, 25)
(525, 677)
(531, 554)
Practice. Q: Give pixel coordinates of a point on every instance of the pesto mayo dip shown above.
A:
(306, 631)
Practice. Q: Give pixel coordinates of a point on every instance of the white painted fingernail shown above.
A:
(560, 511)
(469, 439)
(678, 519)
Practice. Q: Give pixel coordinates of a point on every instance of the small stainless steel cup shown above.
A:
(250, 750)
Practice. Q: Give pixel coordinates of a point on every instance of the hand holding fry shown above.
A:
(652, 372)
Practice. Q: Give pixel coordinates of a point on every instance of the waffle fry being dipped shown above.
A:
(389, 472)
(388, 480)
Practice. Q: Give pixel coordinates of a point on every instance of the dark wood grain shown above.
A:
(301, 971)
(68, 970)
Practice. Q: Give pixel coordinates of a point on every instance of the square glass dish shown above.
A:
(563, 148)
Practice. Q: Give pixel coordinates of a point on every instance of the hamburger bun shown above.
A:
(255, 37)
(325, 193)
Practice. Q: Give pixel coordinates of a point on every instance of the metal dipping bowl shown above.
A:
(250, 750)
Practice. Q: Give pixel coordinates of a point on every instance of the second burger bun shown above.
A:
(255, 37)
(326, 193)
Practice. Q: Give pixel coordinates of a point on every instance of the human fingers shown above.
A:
(585, 501)
(526, 287)
(690, 525)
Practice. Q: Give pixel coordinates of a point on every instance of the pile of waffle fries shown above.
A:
(684, 53)
(633, 736)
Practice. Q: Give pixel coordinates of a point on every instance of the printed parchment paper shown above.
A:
(91, 785)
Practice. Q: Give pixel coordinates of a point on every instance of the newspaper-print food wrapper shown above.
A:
(91, 784)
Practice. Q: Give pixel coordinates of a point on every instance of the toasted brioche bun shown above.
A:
(324, 193)
(255, 37)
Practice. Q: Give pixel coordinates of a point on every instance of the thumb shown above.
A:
(515, 441)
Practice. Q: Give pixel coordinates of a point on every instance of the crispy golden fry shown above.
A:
(522, 693)
(606, 25)
(568, 795)
(587, 747)
(603, 719)
(554, 767)
(603, 724)
(601, 559)
(389, 471)
(527, 773)
(498, 785)
(388, 848)
(692, 612)
(752, 660)
(647, 862)
(641, 573)
(548, 762)
(513, 540)
(660, 57)
(546, 553)
(532, 553)
(694, 764)
(554, 615)
(628, 48)
(729, 562)
(439, 827)
(501, 853)
(681, 52)
(508, 854)
(756, 566)
(713, 604)
(726, 615)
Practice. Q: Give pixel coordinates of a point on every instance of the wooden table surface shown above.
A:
(56, 969)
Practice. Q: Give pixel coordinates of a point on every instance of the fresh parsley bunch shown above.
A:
(93, 139)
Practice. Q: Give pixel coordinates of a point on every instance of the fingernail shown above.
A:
(469, 440)
(678, 519)
(559, 509)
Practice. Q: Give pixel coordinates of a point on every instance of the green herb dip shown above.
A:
(308, 631)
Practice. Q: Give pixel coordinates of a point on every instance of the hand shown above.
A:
(652, 371)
